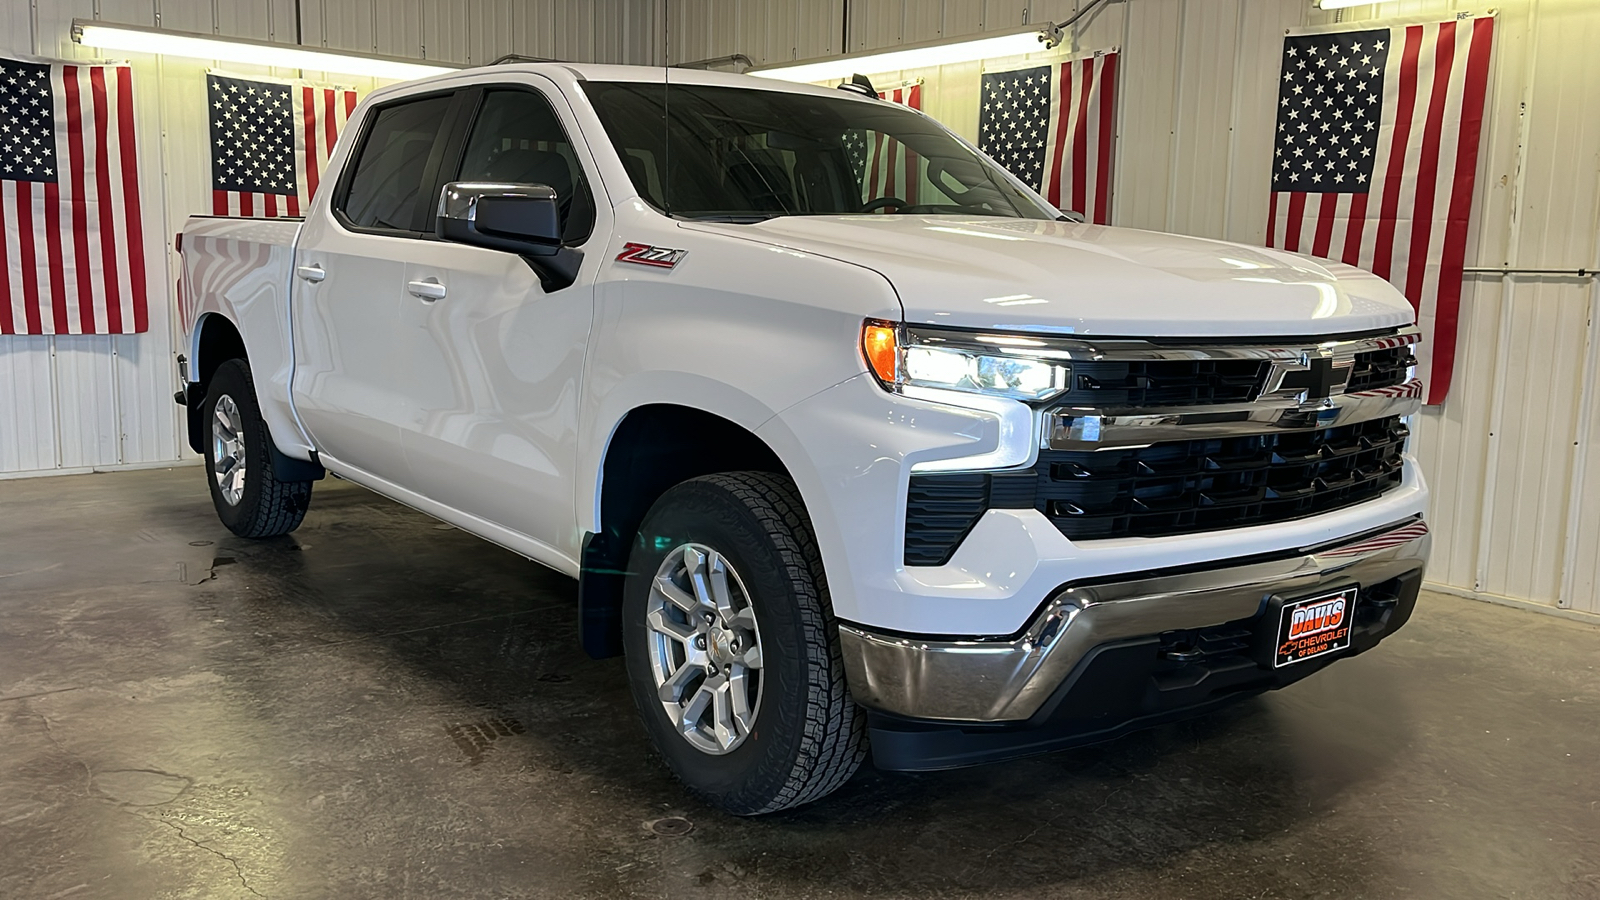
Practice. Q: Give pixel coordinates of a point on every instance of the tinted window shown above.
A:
(746, 154)
(386, 190)
(517, 139)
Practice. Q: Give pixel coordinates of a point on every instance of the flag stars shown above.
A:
(1308, 114)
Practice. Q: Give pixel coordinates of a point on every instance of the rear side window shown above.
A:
(517, 139)
(386, 190)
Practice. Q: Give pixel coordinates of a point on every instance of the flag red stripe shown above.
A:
(1063, 108)
(1272, 219)
(80, 207)
(891, 185)
(108, 209)
(1357, 221)
(1108, 96)
(219, 203)
(1324, 234)
(350, 108)
(292, 205)
(308, 112)
(913, 170)
(130, 197)
(330, 127)
(873, 192)
(270, 201)
(52, 247)
(8, 325)
(29, 262)
(247, 204)
(1383, 252)
(1297, 211)
(1428, 166)
(1448, 304)
(1080, 142)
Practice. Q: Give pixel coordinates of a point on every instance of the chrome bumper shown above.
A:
(1009, 679)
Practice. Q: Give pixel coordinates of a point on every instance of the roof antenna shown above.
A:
(861, 84)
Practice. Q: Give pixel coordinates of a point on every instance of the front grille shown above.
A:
(1178, 487)
(1110, 383)
(1380, 369)
(1202, 485)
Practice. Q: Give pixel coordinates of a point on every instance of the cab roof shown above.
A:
(565, 73)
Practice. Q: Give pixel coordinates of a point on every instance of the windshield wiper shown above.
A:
(733, 218)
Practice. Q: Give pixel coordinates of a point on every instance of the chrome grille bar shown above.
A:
(1304, 391)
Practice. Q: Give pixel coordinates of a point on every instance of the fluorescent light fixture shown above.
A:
(916, 56)
(1343, 4)
(138, 39)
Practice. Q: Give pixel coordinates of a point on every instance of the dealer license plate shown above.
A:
(1315, 626)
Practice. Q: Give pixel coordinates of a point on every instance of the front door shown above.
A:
(492, 361)
(350, 270)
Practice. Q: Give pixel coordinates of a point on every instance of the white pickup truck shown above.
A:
(953, 476)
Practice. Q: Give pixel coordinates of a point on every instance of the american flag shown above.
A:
(1053, 127)
(888, 168)
(270, 142)
(1375, 160)
(69, 200)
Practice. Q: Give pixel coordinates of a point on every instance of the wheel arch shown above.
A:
(651, 448)
(216, 339)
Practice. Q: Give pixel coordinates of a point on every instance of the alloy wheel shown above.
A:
(705, 648)
(228, 449)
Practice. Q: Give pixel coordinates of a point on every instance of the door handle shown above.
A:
(427, 290)
(312, 273)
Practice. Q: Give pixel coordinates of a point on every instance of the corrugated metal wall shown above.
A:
(79, 402)
(1516, 487)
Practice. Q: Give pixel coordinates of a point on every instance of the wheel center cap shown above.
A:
(720, 643)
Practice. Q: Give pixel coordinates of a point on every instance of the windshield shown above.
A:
(742, 154)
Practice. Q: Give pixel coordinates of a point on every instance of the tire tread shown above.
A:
(278, 506)
(833, 740)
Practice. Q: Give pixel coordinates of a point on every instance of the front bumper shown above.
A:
(1168, 620)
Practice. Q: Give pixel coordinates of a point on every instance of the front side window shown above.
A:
(742, 154)
(517, 139)
(386, 189)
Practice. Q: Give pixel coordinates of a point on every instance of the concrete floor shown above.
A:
(382, 706)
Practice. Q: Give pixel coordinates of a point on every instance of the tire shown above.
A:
(806, 737)
(256, 505)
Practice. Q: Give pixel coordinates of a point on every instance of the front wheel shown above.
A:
(249, 497)
(732, 649)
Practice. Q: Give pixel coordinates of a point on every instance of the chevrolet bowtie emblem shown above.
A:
(1319, 377)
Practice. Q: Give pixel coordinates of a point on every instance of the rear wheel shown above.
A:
(249, 498)
(732, 649)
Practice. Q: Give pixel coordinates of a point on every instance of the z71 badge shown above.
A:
(646, 255)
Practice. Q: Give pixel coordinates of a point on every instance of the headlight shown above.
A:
(999, 365)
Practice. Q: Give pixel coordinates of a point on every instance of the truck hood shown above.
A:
(1072, 278)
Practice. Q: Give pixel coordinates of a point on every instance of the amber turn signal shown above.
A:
(880, 345)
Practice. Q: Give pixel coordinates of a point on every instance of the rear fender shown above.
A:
(241, 271)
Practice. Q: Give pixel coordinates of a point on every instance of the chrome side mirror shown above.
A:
(519, 218)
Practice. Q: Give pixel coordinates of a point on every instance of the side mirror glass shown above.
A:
(519, 218)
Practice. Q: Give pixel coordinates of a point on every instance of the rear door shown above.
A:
(350, 274)
(492, 359)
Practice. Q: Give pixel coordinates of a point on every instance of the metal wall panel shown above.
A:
(1515, 482)
(444, 30)
(1147, 133)
(397, 27)
(27, 405)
